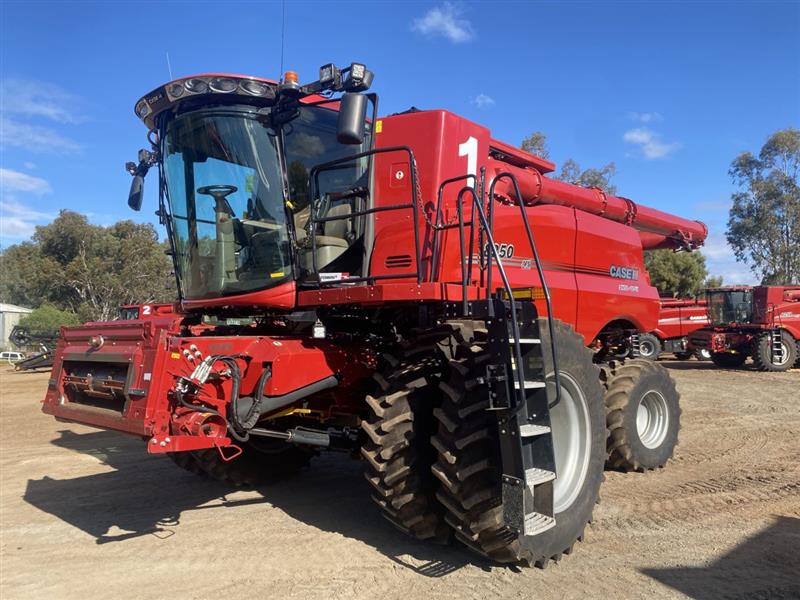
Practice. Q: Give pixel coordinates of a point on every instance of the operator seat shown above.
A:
(331, 244)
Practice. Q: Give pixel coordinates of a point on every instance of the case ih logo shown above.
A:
(624, 272)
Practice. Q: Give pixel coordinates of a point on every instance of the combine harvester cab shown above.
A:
(413, 291)
(762, 322)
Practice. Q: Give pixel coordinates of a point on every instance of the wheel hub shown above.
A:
(571, 428)
(646, 349)
(652, 419)
(779, 359)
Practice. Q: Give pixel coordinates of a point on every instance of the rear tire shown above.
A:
(762, 352)
(642, 415)
(469, 464)
(649, 346)
(728, 360)
(399, 428)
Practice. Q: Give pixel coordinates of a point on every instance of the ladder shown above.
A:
(519, 395)
(526, 442)
(776, 347)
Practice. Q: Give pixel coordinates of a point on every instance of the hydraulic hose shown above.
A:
(267, 404)
(245, 412)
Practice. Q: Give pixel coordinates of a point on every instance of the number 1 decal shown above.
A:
(470, 150)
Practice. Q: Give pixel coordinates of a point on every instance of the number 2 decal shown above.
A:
(146, 309)
(470, 150)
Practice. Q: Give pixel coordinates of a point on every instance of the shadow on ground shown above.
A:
(699, 365)
(146, 495)
(707, 365)
(766, 565)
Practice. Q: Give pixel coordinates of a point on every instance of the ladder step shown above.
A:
(530, 385)
(536, 476)
(530, 430)
(536, 523)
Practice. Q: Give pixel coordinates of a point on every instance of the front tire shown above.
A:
(642, 414)
(398, 430)
(728, 360)
(762, 352)
(649, 346)
(261, 461)
(469, 464)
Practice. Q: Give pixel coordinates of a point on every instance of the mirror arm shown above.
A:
(147, 159)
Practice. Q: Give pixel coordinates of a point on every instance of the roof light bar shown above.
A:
(355, 78)
(181, 89)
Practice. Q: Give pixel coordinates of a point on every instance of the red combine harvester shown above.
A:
(131, 312)
(406, 286)
(676, 320)
(762, 322)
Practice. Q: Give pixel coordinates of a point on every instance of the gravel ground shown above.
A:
(88, 514)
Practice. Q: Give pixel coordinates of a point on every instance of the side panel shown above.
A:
(611, 279)
(678, 318)
(669, 322)
(445, 146)
(787, 316)
(693, 318)
(553, 228)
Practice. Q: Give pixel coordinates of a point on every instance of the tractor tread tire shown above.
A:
(655, 343)
(762, 352)
(622, 381)
(468, 466)
(188, 462)
(728, 360)
(398, 428)
(252, 467)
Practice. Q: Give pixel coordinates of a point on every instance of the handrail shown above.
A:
(313, 220)
(539, 270)
(476, 205)
(438, 225)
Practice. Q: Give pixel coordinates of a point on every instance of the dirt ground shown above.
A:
(89, 514)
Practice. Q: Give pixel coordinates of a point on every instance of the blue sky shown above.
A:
(669, 91)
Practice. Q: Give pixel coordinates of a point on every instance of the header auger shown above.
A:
(405, 286)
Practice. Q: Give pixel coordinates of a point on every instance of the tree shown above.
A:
(676, 274)
(713, 282)
(48, 318)
(764, 221)
(600, 178)
(87, 269)
(571, 172)
(536, 143)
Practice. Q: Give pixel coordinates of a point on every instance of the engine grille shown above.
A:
(398, 261)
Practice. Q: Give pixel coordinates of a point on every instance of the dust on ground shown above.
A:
(89, 514)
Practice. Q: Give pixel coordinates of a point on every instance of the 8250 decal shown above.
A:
(503, 250)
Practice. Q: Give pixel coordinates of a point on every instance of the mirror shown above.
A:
(352, 114)
(135, 195)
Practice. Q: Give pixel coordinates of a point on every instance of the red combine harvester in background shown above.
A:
(129, 312)
(676, 320)
(762, 322)
(406, 286)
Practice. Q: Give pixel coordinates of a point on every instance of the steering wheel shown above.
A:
(220, 193)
